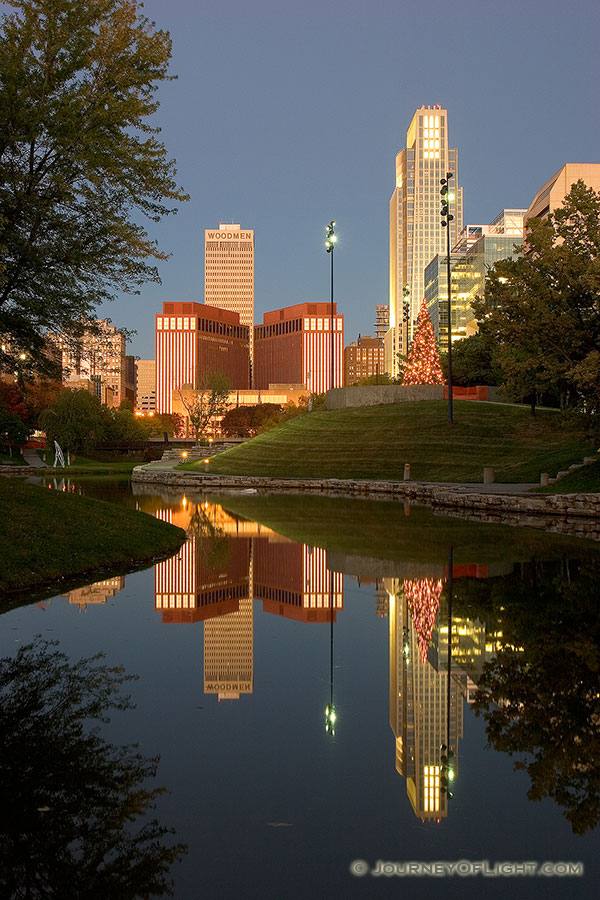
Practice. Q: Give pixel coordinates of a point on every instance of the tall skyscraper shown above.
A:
(229, 272)
(416, 231)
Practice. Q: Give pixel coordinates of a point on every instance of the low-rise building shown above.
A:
(294, 346)
(363, 358)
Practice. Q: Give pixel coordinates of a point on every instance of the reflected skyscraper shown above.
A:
(229, 653)
(419, 711)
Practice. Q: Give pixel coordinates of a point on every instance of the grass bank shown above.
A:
(375, 442)
(48, 535)
(582, 481)
(386, 530)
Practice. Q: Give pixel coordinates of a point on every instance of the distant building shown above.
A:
(363, 358)
(194, 340)
(382, 320)
(293, 346)
(477, 249)
(145, 385)
(229, 272)
(552, 194)
(97, 362)
(416, 232)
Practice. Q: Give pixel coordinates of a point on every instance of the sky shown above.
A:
(287, 115)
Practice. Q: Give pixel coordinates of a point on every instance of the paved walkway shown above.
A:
(32, 458)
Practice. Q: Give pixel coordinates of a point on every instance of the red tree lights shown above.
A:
(423, 365)
(423, 598)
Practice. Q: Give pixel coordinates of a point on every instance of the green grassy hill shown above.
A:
(374, 443)
(48, 535)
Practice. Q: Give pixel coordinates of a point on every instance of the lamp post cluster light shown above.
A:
(446, 219)
(330, 240)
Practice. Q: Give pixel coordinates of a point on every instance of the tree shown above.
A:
(473, 362)
(423, 365)
(13, 431)
(543, 308)
(207, 402)
(539, 696)
(244, 421)
(160, 423)
(76, 421)
(80, 165)
(71, 801)
(122, 425)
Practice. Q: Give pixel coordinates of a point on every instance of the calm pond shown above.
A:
(338, 691)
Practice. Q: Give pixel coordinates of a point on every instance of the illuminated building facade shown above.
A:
(98, 592)
(293, 346)
(229, 272)
(419, 714)
(194, 340)
(475, 252)
(363, 358)
(552, 194)
(229, 653)
(382, 320)
(416, 232)
(97, 362)
(293, 581)
(145, 385)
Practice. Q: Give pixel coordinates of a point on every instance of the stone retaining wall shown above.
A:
(577, 514)
(17, 470)
(376, 394)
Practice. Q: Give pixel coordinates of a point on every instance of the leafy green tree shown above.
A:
(80, 164)
(473, 362)
(244, 421)
(13, 431)
(76, 420)
(207, 402)
(543, 308)
(122, 425)
(539, 696)
(76, 813)
(158, 424)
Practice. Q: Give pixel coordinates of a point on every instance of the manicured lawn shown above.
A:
(84, 466)
(48, 535)
(582, 481)
(375, 442)
(15, 460)
(388, 530)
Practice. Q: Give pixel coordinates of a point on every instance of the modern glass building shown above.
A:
(473, 255)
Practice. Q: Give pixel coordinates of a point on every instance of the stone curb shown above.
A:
(586, 506)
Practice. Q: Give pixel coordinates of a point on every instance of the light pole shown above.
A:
(446, 219)
(330, 239)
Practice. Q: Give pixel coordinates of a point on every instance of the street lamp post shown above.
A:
(330, 239)
(446, 219)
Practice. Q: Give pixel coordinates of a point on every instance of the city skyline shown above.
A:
(283, 148)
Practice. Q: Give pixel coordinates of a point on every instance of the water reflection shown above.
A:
(518, 640)
(76, 814)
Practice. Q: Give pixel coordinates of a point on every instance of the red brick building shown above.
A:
(193, 340)
(293, 346)
(363, 358)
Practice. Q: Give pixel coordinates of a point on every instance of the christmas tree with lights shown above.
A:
(423, 364)
(423, 598)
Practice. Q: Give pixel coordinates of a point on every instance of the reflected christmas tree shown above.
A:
(423, 598)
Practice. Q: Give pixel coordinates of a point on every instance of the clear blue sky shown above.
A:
(286, 115)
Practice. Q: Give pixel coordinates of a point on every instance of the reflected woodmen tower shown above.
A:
(229, 273)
